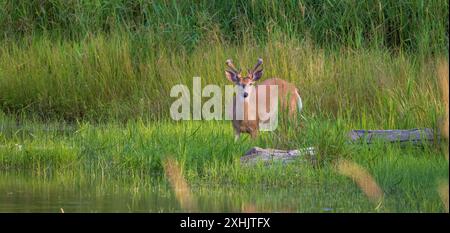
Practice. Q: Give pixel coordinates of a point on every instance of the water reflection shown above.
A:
(27, 193)
(76, 193)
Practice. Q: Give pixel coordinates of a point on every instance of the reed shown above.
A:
(181, 188)
(418, 26)
(443, 84)
(106, 78)
(363, 179)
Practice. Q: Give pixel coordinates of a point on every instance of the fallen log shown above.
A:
(404, 137)
(410, 136)
(268, 155)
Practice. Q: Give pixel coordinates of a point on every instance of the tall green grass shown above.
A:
(414, 25)
(118, 59)
(112, 77)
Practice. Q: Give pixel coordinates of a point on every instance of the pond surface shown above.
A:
(36, 193)
(28, 193)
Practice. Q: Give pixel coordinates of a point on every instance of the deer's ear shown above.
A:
(257, 75)
(231, 76)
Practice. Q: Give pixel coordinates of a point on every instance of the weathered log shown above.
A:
(268, 156)
(413, 136)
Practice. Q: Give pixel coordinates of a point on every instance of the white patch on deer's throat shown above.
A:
(246, 106)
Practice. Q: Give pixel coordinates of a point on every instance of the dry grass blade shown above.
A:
(443, 80)
(249, 208)
(180, 186)
(443, 193)
(363, 179)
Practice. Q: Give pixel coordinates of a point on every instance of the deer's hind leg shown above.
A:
(294, 112)
(254, 134)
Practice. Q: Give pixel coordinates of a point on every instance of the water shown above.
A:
(21, 192)
(28, 193)
(31, 193)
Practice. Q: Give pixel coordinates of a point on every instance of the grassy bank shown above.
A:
(131, 155)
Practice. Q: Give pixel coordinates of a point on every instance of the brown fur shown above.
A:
(287, 97)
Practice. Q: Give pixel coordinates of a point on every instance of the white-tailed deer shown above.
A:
(287, 97)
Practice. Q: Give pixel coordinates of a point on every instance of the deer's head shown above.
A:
(245, 83)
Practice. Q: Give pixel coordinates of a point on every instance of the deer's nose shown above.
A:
(245, 94)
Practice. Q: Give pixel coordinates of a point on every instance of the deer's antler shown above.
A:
(260, 61)
(229, 63)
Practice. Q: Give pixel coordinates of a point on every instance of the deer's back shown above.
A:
(287, 92)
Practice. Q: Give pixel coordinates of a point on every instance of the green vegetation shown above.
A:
(415, 25)
(120, 159)
(107, 78)
(84, 101)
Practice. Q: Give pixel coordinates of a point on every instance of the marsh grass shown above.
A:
(107, 78)
(206, 158)
(418, 26)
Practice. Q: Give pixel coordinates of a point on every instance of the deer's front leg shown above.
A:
(237, 135)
